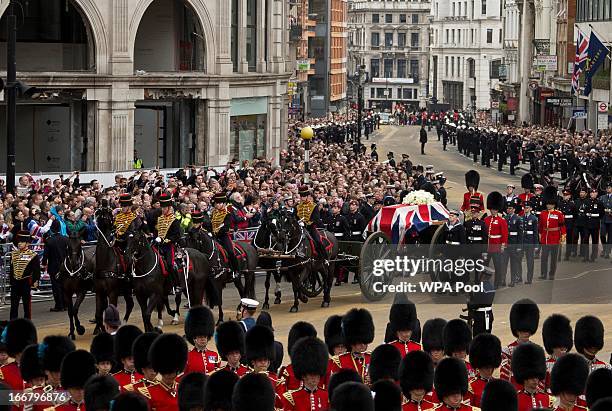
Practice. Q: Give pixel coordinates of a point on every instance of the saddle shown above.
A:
(238, 252)
(327, 245)
(121, 263)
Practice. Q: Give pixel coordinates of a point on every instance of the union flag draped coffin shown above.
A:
(397, 220)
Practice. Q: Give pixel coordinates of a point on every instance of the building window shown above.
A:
(447, 31)
(453, 9)
(452, 67)
(375, 39)
(375, 18)
(459, 66)
(407, 94)
(414, 70)
(380, 93)
(388, 18)
(372, 92)
(401, 40)
(388, 39)
(446, 66)
(453, 36)
(489, 36)
(494, 69)
(414, 39)
(251, 34)
(459, 36)
(375, 68)
(401, 68)
(388, 68)
(483, 10)
(248, 137)
(234, 35)
(399, 93)
(471, 68)
(402, 18)
(415, 19)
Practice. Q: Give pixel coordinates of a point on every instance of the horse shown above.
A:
(75, 278)
(220, 268)
(110, 275)
(586, 180)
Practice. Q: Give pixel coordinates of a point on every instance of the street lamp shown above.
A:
(360, 80)
(306, 133)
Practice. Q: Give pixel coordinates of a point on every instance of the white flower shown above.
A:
(418, 197)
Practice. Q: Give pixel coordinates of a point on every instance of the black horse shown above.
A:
(586, 180)
(110, 279)
(75, 278)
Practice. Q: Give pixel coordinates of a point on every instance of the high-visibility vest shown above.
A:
(138, 163)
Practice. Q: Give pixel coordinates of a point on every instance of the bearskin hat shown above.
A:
(340, 377)
(130, 400)
(416, 371)
(218, 390)
(259, 342)
(457, 336)
(30, 364)
(403, 314)
(524, 316)
(264, 318)
(124, 338)
(229, 338)
(352, 396)
(569, 374)
(279, 354)
(495, 201)
(557, 333)
(604, 404)
(309, 356)
(100, 390)
(357, 327)
(528, 361)
(140, 350)
(428, 187)
(433, 334)
(18, 334)
(384, 363)
(451, 377)
(299, 330)
(191, 391)
(550, 195)
(472, 179)
(598, 385)
(333, 332)
(102, 347)
(485, 351)
(168, 354)
(199, 322)
(53, 349)
(499, 395)
(588, 333)
(527, 181)
(77, 367)
(253, 392)
(387, 396)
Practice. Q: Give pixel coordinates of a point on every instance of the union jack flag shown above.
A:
(396, 220)
(582, 46)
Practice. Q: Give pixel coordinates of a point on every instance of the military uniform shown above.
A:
(606, 224)
(357, 224)
(528, 362)
(164, 396)
(454, 236)
(24, 271)
(582, 230)
(123, 220)
(497, 234)
(308, 212)
(594, 213)
(230, 339)
(339, 226)
(125, 378)
(450, 378)
(200, 323)
(221, 221)
(240, 371)
(513, 253)
(529, 226)
(569, 210)
(528, 401)
(358, 328)
(304, 400)
(412, 405)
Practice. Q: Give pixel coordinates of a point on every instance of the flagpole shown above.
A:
(605, 40)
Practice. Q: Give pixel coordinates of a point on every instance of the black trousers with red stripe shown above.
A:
(20, 291)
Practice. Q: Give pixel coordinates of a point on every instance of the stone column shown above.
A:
(278, 35)
(224, 22)
(202, 146)
(218, 126)
(120, 56)
(526, 59)
(274, 126)
(243, 64)
(261, 36)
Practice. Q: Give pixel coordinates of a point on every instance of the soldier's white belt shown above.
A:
(356, 232)
(529, 232)
(569, 216)
(484, 309)
(495, 236)
(474, 238)
(453, 242)
(592, 215)
(339, 234)
(513, 233)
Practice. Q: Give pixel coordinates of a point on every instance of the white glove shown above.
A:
(158, 240)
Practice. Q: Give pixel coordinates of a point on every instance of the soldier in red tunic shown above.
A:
(552, 231)
(416, 374)
(433, 339)
(497, 233)
(252, 392)
(499, 395)
(589, 340)
(402, 320)
(472, 179)
(384, 364)
(230, 343)
(527, 185)
(34, 377)
(199, 329)
(100, 391)
(309, 360)
(287, 381)
(567, 382)
(124, 338)
(558, 341)
(333, 335)
(77, 367)
(260, 351)
(524, 321)
(529, 369)
(102, 350)
(218, 390)
(52, 351)
(358, 331)
(142, 364)
(457, 338)
(168, 358)
(451, 382)
(485, 356)
(17, 335)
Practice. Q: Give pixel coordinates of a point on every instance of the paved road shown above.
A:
(400, 140)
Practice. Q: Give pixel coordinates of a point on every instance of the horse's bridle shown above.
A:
(135, 258)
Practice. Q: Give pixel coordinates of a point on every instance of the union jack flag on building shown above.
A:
(582, 46)
(396, 220)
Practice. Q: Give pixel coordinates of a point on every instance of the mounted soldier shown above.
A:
(167, 231)
(123, 220)
(222, 221)
(308, 213)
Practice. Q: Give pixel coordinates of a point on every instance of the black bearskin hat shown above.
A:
(53, 349)
(527, 181)
(557, 333)
(100, 390)
(472, 179)
(333, 332)
(457, 336)
(384, 363)
(199, 322)
(604, 404)
(485, 351)
(495, 201)
(340, 377)
(279, 353)
(451, 377)
(124, 339)
(588, 333)
(352, 396)
(253, 392)
(18, 334)
(569, 374)
(259, 342)
(140, 350)
(524, 316)
(499, 395)
(299, 330)
(309, 356)
(403, 314)
(30, 364)
(528, 361)
(219, 390)
(433, 334)
(102, 347)
(550, 195)
(168, 354)
(416, 371)
(77, 367)
(191, 391)
(132, 401)
(357, 327)
(230, 338)
(387, 396)
(598, 385)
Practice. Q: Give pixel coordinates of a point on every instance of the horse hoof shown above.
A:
(265, 306)
(293, 309)
(325, 304)
(96, 331)
(304, 299)
(160, 323)
(80, 329)
(277, 300)
(72, 337)
(175, 320)
(158, 330)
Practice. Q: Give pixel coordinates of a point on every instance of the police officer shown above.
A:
(513, 253)
(529, 224)
(606, 222)
(594, 214)
(570, 213)
(24, 272)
